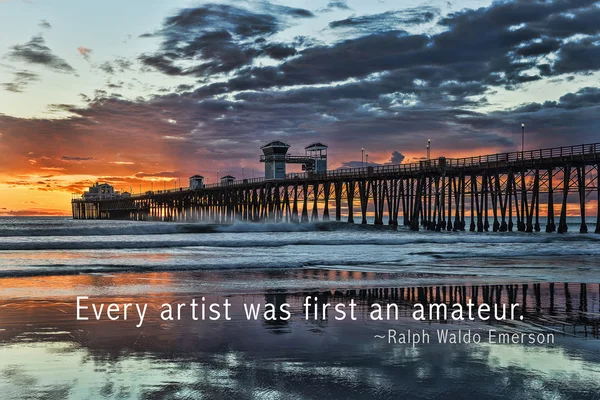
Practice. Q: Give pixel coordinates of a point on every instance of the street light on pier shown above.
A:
(362, 157)
(522, 140)
(242, 172)
(367, 158)
(428, 149)
(217, 181)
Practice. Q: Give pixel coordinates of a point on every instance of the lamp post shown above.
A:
(362, 157)
(367, 158)
(217, 181)
(522, 140)
(242, 172)
(428, 149)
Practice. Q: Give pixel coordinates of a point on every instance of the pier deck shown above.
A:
(436, 194)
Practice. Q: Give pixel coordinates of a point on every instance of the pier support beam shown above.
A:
(315, 209)
(581, 186)
(304, 203)
(550, 225)
(562, 224)
(350, 196)
(337, 190)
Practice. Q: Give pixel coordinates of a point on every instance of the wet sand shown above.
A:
(46, 353)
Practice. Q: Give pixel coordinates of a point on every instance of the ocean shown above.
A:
(47, 262)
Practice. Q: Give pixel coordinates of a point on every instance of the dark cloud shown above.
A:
(397, 157)
(544, 46)
(21, 79)
(107, 67)
(583, 98)
(279, 51)
(117, 85)
(60, 107)
(119, 64)
(44, 24)
(184, 88)
(505, 45)
(389, 20)
(220, 38)
(579, 56)
(335, 5)
(36, 52)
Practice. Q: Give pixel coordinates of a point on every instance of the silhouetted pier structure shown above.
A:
(439, 194)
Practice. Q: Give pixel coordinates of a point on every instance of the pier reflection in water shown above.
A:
(45, 353)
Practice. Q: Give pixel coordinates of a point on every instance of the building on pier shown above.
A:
(196, 182)
(100, 191)
(317, 152)
(227, 180)
(274, 157)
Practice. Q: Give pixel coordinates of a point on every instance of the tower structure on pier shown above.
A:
(317, 152)
(196, 182)
(274, 154)
(275, 158)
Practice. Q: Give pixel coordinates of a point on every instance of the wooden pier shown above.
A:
(498, 192)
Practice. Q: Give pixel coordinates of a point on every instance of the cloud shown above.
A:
(588, 97)
(69, 158)
(84, 52)
(220, 38)
(162, 174)
(389, 20)
(36, 52)
(44, 24)
(340, 5)
(21, 79)
(397, 157)
(28, 212)
(120, 64)
(478, 50)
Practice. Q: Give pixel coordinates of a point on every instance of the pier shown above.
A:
(496, 192)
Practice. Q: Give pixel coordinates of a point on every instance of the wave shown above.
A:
(68, 269)
(427, 239)
(142, 229)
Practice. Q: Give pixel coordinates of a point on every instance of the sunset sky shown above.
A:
(134, 92)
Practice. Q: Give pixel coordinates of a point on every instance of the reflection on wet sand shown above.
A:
(46, 353)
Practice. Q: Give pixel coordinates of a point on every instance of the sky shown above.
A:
(144, 94)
